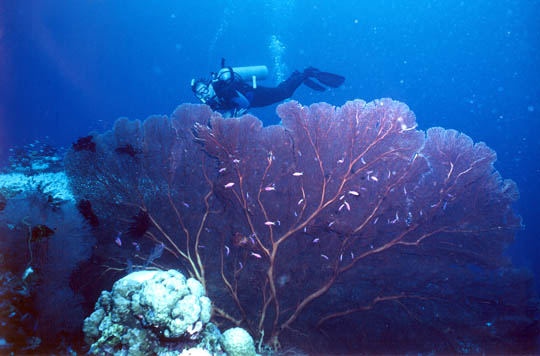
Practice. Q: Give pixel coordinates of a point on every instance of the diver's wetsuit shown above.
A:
(263, 96)
(237, 94)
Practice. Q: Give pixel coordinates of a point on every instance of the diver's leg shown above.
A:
(292, 83)
(263, 96)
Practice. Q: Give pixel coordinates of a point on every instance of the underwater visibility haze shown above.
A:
(393, 213)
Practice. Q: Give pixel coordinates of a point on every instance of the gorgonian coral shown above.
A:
(337, 217)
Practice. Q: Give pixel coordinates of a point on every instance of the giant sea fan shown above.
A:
(339, 214)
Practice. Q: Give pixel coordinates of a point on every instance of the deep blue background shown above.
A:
(67, 67)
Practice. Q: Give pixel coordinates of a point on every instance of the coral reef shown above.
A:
(44, 239)
(35, 158)
(151, 312)
(15, 333)
(385, 227)
(238, 342)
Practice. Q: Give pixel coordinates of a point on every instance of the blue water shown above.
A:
(69, 67)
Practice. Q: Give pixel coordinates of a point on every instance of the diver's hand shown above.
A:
(233, 113)
(239, 112)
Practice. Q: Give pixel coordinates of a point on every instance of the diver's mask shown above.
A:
(204, 92)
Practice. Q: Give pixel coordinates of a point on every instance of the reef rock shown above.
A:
(148, 311)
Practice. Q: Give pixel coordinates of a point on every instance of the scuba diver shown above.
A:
(232, 91)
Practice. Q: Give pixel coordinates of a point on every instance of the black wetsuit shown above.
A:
(237, 95)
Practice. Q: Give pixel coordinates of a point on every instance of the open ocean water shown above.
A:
(68, 68)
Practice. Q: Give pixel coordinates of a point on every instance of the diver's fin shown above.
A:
(329, 79)
(313, 85)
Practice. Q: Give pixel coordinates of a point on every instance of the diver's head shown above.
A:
(203, 90)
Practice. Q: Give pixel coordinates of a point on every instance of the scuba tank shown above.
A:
(245, 74)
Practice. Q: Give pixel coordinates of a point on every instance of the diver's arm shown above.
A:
(232, 102)
(241, 101)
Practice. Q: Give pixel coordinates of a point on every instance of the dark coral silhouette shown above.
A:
(354, 223)
(127, 150)
(85, 144)
(85, 208)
